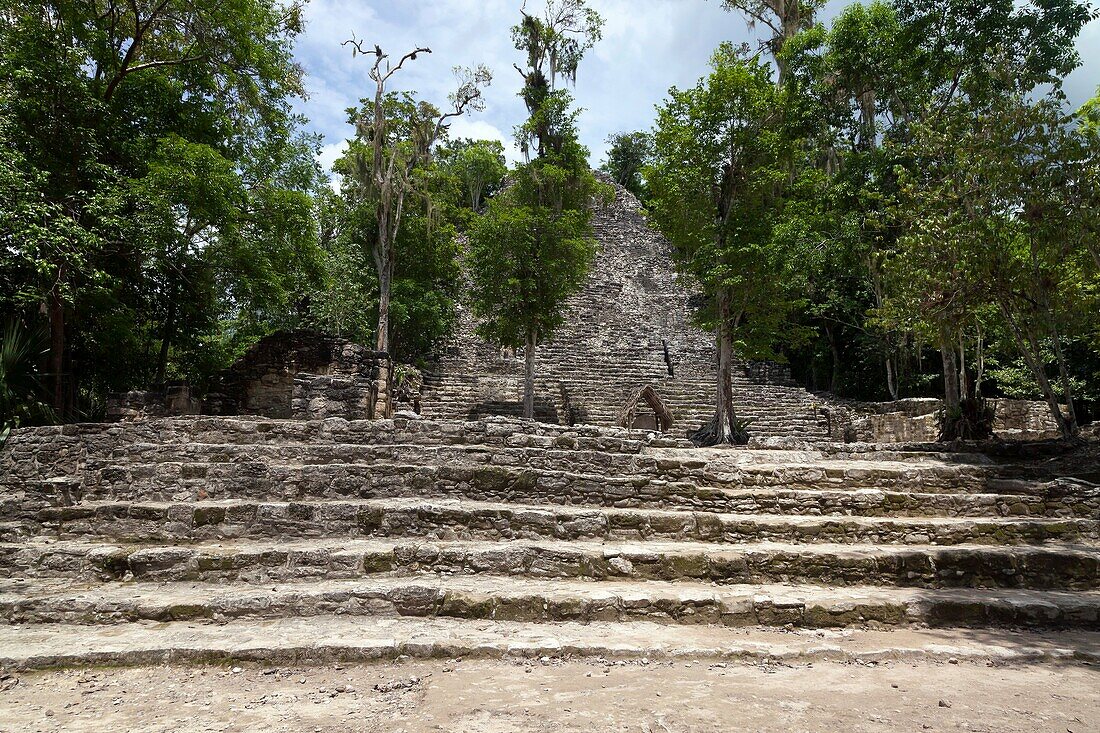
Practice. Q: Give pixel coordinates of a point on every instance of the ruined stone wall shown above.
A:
(321, 396)
(916, 421)
(173, 399)
(303, 375)
(1024, 420)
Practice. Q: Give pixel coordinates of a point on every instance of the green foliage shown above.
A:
(478, 166)
(425, 275)
(554, 43)
(732, 189)
(724, 193)
(424, 286)
(341, 303)
(627, 157)
(526, 259)
(23, 397)
(889, 77)
(391, 161)
(533, 247)
(1000, 216)
(159, 201)
(981, 50)
(784, 18)
(1089, 117)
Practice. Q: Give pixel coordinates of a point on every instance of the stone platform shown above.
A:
(206, 539)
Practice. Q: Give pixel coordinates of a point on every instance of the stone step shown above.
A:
(244, 478)
(197, 482)
(747, 465)
(783, 502)
(686, 403)
(334, 639)
(687, 413)
(620, 372)
(1058, 567)
(619, 375)
(562, 452)
(547, 456)
(509, 599)
(467, 396)
(61, 443)
(464, 519)
(808, 430)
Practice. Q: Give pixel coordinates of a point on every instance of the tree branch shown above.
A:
(140, 30)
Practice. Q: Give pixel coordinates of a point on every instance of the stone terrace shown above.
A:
(247, 538)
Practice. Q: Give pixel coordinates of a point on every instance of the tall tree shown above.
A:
(555, 42)
(534, 245)
(396, 147)
(997, 212)
(784, 18)
(479, 166)
(1087, 191)
(426, 275)
(884, 69)
(864, 67)
(721, 183)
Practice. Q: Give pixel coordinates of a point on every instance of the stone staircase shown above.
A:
(214, 539)
(776, 410)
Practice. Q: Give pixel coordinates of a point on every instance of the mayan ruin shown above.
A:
(454, 434)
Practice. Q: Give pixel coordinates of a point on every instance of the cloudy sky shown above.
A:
(647, 46)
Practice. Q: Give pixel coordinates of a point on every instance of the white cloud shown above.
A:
(482, 130)
(330, 153)
(648, 46)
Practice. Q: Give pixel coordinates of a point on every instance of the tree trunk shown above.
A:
(385, 281)
(1067, 428)
(1067, 385)
(722, 428)
(951, 427)
(725, 415)
(950, 376)
(836, 358)
(891, 378)
(529, 375)
(165, 344)
(56, 309)
(876, 283)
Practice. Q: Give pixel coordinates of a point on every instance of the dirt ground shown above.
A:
(554, 695)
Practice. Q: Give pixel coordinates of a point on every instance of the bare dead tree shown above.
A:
(387, 176)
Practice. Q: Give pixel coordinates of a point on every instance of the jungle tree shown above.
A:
(881, 71)
(534, 245)
(784, 18)
(997, 210)
(479, 166)
(108, 105)
(722, 185)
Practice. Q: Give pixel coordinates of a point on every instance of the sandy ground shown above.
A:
(554, 695)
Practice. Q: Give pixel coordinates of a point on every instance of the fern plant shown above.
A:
(21, 389)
